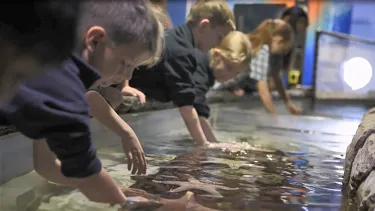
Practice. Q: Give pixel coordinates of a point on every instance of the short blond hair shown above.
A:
(217, 12)
(235, 47)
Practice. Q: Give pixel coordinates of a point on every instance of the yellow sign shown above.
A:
(293, 76)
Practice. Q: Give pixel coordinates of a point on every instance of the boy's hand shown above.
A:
(127, 90)
(239, 92)
(293, 109)
(135, 155)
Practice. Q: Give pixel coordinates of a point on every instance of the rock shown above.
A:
(363, 163)
(366, 193)
(365, 129)
(359, 168)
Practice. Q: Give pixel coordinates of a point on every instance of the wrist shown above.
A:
(140, 203)
(128, 135)
(202, 143)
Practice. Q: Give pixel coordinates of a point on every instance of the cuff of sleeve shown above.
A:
(81, 167)
(186, 99)
(202, 110)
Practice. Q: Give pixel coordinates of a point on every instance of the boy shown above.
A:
(115, 37)
(28, 44)
(171, 79)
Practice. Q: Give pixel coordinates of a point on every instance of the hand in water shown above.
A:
(293, 109)
(135, 155)
(152, 202)
(239, 92)
(127, 90)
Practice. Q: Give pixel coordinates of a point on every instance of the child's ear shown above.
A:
(204, 23)
(93, 36)
(216, 52)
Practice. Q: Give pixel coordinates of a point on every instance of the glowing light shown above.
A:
(357, 72)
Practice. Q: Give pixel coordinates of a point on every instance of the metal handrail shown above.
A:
(347, 36)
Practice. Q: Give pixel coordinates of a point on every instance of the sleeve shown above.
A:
(238, 82)
(201, 105)
(179, 81)
(202, 109)
(67, 132)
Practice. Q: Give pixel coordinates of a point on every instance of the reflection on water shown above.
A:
(277, 171)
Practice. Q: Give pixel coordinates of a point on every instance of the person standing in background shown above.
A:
(298, 19)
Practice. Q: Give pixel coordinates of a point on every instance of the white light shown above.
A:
(357, 72)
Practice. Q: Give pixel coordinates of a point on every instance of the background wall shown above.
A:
(326, 15)
(332, 15)
(363, 19)
(177, 11)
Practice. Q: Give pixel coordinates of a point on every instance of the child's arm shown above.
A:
(66, 127)
(191, 119)
(103, 112)
(275, 67)
(178, 77)
(203, 111)
(281, 90)
(265, 96)
(207, 129)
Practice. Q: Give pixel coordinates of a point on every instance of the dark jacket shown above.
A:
(171, 79)
(53, 106)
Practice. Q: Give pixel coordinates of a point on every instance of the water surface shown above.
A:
(263, 163)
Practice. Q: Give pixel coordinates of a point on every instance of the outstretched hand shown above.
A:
(239, 92)
(293, 109)
(127, 90)
(135, 155)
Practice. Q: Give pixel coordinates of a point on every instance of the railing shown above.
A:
(344, 68)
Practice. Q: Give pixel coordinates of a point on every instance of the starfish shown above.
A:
(194, 184)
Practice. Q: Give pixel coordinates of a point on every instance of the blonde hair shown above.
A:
(217, 12)
(160, 41)
(263, 34)
(161, 13)
(235, 47)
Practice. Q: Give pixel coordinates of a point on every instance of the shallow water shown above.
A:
(263, 163)
(263, 171)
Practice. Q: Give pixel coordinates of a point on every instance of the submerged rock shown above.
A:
(255, 176)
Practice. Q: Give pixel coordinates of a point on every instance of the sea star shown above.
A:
(194, 184)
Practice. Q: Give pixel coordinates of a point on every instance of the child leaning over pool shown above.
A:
(221, 63)
(171, 79)
(52, 108)
(271, 40)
